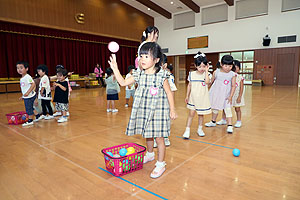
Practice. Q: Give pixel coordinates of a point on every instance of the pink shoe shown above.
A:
(160, 168)
(148, 158)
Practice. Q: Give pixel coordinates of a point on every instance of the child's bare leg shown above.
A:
(161, 148)
(64, 113)
(150, 143)
(238, 113)
(229, 120)
(200, 120)
(190, 118)
(112, 104)
(214, 116)
(223, 115)
(108, 101)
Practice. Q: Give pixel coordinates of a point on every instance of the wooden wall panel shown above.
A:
(111, 18)
(270, 57)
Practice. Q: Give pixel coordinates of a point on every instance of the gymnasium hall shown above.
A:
(79, 120)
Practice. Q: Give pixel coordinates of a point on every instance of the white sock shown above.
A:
(160, 164)
(187, 128)
(148, 154)
(199, 127)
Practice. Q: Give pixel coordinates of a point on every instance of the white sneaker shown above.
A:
(186, 134)
(114, 110)
(68, 114)
(38, 119)
(126, 105)
(155, 144)
(222, 122)
(160, 168)
(108, 110)
(200, 132)
(27, 123)
(210, 124)
(57, 114)
(167, 142)
(229, 129)
(62, 119)
(49, 117)
(238, 124)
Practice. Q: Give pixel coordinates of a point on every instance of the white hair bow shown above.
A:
(144, 34)
(201, 54)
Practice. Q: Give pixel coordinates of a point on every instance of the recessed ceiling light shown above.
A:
(172, 2)
(149, 9)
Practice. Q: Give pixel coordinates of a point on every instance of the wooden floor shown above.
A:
(60, 161)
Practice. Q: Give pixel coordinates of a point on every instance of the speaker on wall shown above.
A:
(266, 40)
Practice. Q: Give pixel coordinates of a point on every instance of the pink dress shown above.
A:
(220, 90)
(98, 70)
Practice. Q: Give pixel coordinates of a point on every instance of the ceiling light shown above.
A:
(172, 2)
(149, 9)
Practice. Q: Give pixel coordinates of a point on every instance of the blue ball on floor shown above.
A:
(236, 152)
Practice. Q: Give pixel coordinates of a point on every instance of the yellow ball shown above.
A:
(130, 150)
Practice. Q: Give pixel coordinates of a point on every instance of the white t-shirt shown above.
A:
(47, 90)
(130, 87)
(172, 83)
(25, 83)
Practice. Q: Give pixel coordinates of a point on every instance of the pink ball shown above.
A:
(113, 47)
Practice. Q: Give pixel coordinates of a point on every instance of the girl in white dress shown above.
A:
(197, 96)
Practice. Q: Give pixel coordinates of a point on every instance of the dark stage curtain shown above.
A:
(78, 52)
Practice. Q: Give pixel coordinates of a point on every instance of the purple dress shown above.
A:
(220, 90)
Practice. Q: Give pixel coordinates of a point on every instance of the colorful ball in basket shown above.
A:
(123, 152)
(130, 150)
(24, 117)
(113, 47)
(109, 153)
(236, 152)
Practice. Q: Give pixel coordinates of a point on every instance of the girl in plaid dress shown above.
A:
(153, 104)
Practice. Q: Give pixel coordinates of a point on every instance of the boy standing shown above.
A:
(27, 88)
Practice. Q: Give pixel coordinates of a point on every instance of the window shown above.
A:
(247, 62)
(237, 55)
(251, 8)
(248, 56)
(184, 20)
(214, 14)
(288, 5)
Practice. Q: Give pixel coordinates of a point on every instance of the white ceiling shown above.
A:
(176, 7)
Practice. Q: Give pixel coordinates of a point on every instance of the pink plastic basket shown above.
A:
(17, 118)
(126, 164)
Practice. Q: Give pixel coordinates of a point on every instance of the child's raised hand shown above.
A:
(113, 62)
(173, 114)
(70, 73)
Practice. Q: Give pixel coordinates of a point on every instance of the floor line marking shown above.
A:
(70, 161)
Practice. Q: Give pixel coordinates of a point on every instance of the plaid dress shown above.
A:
(150, 115)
